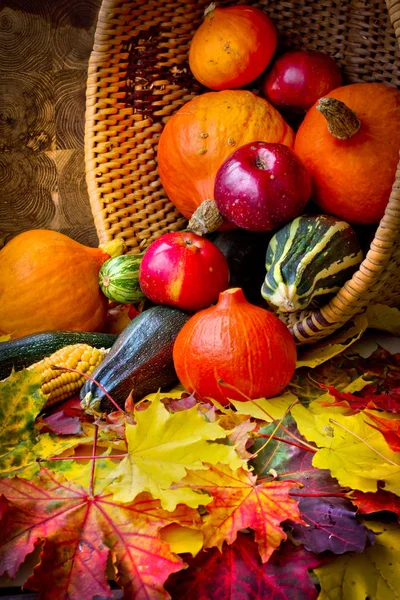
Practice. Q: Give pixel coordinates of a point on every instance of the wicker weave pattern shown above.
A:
(139, 76)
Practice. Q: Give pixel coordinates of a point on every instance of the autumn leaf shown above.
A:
(355, 453)
(162, 447)
(345, 373)
(239, 573)
(374, 574)
(335, 344)
(182, 539)
(266, 409)
(384, 318)
(389, 428)
(331, 522)
(79, 532)
(21, 402)
(369, 502)
(20, 440)
(356, 404)
(238, 502)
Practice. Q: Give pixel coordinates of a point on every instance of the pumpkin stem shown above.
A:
(114, 247)
(343, 123)
(210, 8)
(206, 218)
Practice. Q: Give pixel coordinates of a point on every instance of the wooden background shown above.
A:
(44, 51)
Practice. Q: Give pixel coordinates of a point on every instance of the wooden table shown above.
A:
(44, 50)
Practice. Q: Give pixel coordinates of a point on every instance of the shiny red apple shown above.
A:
(183, 269)
(262, 186)
(298, 79)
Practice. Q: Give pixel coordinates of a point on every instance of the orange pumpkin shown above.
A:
(50, 282)
(232, 46)
(352, 176)
(234, 350)
(202, 134)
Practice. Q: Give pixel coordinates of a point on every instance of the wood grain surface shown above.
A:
(44, 51)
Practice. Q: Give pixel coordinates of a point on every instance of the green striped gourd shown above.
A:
(119, 279)
(308, 259)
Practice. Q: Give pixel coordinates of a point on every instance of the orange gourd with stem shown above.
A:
(50, 282)
(232, 46)
(234, 350)
(349, 142)
(203, 133)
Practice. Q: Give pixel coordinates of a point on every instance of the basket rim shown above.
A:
(356, 293)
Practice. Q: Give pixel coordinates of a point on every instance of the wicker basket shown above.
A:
(139, 75)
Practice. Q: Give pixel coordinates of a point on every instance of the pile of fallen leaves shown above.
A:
(296, 497)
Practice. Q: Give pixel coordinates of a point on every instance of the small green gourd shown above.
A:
(308, 260)
(119, 279)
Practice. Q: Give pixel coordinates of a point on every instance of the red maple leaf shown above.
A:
(370, 502)
(78, 532)
(238, 572)
(389, 428)
(388, 401)
(240, 502)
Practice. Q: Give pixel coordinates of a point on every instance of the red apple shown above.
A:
(262, 186)
(298, 79)
(183, 269)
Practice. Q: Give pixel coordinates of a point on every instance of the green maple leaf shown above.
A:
(21, 442)
(162, 447)
(373, 574)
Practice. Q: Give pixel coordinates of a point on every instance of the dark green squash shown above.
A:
(308, 260)
(140, 361)
(29, 349)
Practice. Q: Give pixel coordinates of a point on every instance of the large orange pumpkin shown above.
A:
(202, 134)
(50, 282)
(232, 46)
(352, 177)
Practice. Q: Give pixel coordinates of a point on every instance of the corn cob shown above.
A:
(60, 385)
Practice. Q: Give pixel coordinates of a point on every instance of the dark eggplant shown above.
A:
(139, 363)
(245, 252)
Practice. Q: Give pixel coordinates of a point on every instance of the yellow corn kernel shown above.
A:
(60, 385)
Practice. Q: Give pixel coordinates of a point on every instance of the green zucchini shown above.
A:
(308, 260)
(119, 279)
(140, 361)
(25, 351)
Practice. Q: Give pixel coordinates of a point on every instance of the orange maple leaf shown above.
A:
(240, 502)
(390, 429)
(78, 532)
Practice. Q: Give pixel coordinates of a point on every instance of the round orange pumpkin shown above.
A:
(232, 46)
(234, 350)
(202, 134)
(50, 282)
(353, 177)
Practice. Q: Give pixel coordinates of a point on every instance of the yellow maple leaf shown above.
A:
(372, 574)
(312, 356)
(182, 539)
(266, 409)
(355, 453)
(162, 447)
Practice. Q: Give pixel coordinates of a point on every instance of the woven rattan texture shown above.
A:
(139, 76)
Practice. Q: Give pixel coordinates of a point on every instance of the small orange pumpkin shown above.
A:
(232, 46)
(352, 155)
(202, 134)
(235, 343)
(50, 282)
